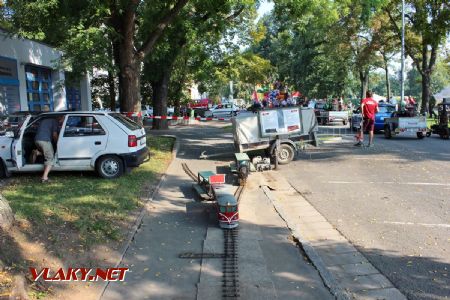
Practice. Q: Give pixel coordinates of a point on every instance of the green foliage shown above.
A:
(75, 27)
(198, 47)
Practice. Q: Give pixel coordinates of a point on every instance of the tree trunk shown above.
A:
(426, 79)
(130, 98)
(130, 59)
(112, 91)
(177, 104)
(6, 215)
(388, 82)
(364, 80)
(160, 98)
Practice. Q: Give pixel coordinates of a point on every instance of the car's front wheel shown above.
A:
(110, 166)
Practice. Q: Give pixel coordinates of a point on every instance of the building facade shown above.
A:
(31, 81)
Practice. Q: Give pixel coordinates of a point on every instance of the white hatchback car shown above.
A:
(106, 142)
(222, 110)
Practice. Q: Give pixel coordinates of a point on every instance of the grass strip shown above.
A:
(93, 207)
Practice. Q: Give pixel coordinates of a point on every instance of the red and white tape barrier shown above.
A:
(139, 114)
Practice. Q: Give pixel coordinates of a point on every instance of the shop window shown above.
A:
(39, 91)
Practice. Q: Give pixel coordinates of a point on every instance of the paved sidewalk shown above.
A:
(346, 271)
(270, 264)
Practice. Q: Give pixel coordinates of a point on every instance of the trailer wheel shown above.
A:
(387, 131)
(285, 154)
(420, 135)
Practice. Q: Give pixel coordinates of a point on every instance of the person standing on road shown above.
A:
(47, 133)
(369, 107)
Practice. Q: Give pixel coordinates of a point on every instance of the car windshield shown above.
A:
(130, 124)
(386, 109)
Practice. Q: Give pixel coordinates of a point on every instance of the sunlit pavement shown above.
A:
(391, 201)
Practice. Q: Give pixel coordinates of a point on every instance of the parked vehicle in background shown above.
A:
(221, 110)
(327, 117)
(147, 111)
(385, 110)
(106, 142)
(405, 125)
(199, 107)
(319, 107)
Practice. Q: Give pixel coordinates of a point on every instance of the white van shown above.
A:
(106, 142)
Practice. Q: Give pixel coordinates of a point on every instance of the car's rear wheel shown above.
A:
(110, 166)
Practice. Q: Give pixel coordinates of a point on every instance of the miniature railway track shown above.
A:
(230, 279)
(188, 171)
(238, 192)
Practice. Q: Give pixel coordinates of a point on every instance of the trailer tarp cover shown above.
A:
(247, 132)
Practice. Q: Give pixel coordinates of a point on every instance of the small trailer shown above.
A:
(278, 132)
(328, 117)
(405, 125)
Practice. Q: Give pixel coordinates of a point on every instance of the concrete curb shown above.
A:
(137, 223)
(328, 278)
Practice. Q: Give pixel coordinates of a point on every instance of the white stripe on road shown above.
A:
(418, 224)
(380, 159)
(391, 182)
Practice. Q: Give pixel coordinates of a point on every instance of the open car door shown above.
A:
(16, 147)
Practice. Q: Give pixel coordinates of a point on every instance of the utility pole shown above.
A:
(402, 77)
(231, 92)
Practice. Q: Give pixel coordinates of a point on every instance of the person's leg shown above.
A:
(47, 149)
(360, 135)
(371, 128)
(47, 169)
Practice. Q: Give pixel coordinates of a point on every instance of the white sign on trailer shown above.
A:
(279, 121)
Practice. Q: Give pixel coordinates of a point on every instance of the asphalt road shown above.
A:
(392, 201)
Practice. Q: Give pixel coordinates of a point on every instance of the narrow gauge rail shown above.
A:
(188, 171)
(230, 278)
